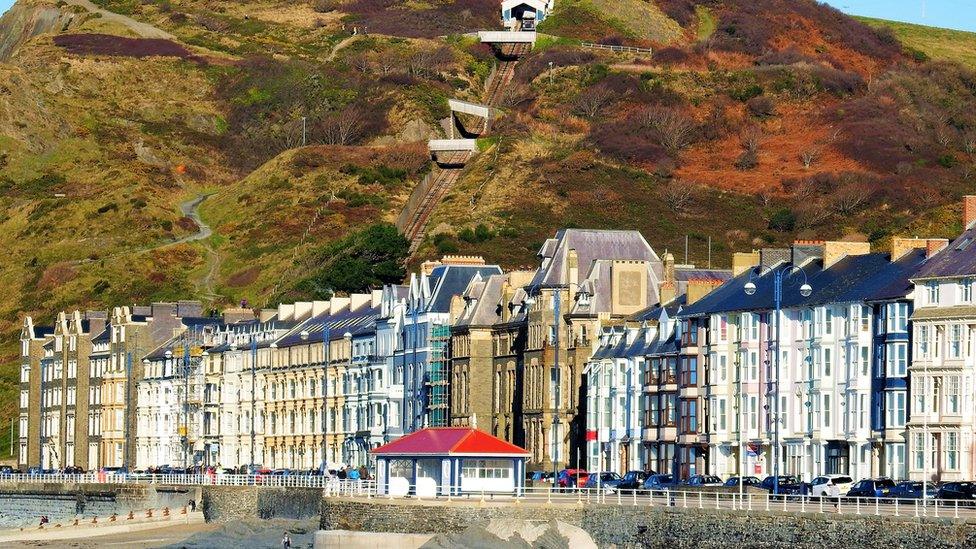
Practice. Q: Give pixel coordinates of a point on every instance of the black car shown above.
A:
(871, 488)
(659, 482)
(702, 480)
(912, 489)
(788, 484)
(6, 470)
(965, 491)
(746, 481)
(633, 480)
(607, 480)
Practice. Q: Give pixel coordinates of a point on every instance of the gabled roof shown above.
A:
(449, 441)
(482, 301)
(956, 259)
(590, 245)
(448, 281)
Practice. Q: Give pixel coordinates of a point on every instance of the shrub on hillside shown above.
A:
(761, 106)
(529, 69)
(120, 46)
(682, 11)
(423, 20)
(671, 55)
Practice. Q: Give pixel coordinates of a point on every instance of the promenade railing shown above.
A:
(730, 500)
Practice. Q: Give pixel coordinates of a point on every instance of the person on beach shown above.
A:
(285, 541)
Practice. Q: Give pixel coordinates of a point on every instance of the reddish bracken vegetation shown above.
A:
(120, 46)
(392, 17)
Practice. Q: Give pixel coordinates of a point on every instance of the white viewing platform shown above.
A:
(451, 145)
(507, 37)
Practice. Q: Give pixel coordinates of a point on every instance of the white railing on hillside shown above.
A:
(619, 49)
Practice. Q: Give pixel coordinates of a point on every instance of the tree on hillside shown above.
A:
(360, 262)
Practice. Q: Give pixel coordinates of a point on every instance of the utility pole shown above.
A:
(326, 336)
(555, 380)
(186, 403)
(304, 126)
(550, 74)
(11, 437)
(254, 393)
(128, 410)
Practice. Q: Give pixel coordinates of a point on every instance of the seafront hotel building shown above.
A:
(661, 366)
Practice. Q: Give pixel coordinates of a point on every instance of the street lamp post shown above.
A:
(805, 291)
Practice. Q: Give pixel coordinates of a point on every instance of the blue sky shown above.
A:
(953, 14)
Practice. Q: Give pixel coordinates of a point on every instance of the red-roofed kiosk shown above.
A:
(449, 460)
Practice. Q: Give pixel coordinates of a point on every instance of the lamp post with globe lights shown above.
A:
(805, 290)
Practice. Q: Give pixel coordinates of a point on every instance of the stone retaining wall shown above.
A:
(657, 527)
(229, 503)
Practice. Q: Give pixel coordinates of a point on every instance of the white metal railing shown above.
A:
(291, 480)
(622, 49)
(728, 500)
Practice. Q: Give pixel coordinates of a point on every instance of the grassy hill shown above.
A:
(755, 122)
(932, 42)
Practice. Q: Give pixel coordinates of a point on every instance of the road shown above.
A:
(144, 30)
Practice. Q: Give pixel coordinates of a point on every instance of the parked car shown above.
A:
(6, 470)
(871, 488)
(633, 480)
(659, 482)
(912, 489)
(608, 481)
(821, 486)
(746, 481)
(541, 477)
(788, 484)
(702, 480)
(965, 491)
(571, 478)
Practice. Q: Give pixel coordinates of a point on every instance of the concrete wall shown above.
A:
(657, 526)
(229, 503)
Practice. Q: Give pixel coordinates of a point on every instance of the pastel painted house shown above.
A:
(449, 460)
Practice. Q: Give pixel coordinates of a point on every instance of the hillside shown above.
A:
(755, 122)
(925, 42)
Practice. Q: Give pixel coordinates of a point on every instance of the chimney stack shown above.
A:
(968, 211)
(934, 246)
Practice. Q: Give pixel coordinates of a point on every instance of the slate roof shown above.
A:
(356, 322)
(483, 299)
(447, 281)
(449, 441)
(868, 277)
(590, 245)
(956, 259)
(103, 336)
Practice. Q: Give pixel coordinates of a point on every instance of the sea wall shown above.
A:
(657, 527)
(23, 503)
(228, 503)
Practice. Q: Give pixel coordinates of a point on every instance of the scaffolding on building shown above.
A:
(437, 380)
